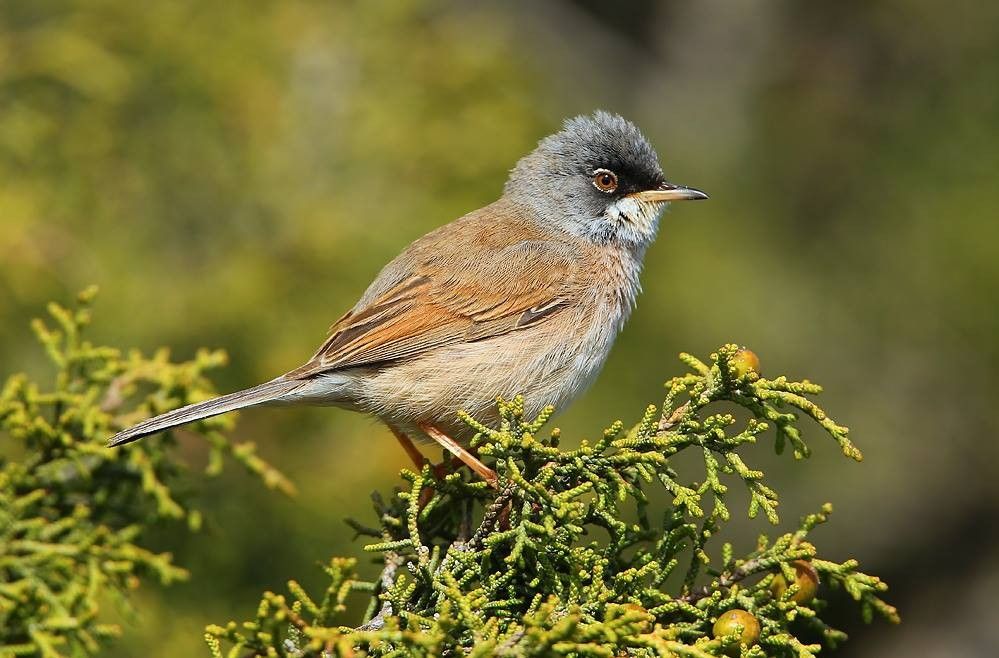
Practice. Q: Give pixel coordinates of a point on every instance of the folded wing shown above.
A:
(437, 303)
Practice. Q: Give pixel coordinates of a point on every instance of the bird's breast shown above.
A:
(548, 364)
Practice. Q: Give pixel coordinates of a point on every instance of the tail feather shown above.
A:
(249, 397)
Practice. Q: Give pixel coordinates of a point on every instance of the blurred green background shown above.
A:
(234, 174)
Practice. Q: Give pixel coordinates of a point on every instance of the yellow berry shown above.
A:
(729, 623)
(805, 577)
(743, 362)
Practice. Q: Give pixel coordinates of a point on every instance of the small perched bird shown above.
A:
(524, 296)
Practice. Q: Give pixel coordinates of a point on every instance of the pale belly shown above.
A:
(549, 364)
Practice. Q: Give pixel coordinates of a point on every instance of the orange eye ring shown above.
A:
(605, 180)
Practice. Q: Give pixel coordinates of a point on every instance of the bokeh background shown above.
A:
(234, 174)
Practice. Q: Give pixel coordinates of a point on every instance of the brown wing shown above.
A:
(447, 301)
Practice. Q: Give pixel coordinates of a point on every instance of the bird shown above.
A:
(524, 296)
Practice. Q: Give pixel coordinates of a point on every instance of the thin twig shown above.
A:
(666, 424)
(727, 579)
(392, 563)
(492, 515)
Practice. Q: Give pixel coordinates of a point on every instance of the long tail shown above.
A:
(249, 397)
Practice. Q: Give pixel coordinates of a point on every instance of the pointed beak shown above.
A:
(670, 192)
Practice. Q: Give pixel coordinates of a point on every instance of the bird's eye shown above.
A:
(605, 180)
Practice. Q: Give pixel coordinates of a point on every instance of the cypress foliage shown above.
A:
(72, 511)
(603, 550)
(572, 555)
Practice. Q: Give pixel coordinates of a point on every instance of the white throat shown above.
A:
(637, 222)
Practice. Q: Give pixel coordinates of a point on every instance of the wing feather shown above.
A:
(435, 304)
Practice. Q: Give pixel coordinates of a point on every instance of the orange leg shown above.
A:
(410, 448)
(455, 449)
(419, 460)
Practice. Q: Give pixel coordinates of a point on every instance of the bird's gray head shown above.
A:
(597, 178)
